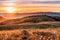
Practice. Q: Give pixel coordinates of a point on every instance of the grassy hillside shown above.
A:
(35, 21)
(30, 19)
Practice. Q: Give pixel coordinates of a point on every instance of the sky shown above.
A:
(30, 5)
(27, 1)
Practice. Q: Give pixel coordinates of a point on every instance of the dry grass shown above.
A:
(51, 34)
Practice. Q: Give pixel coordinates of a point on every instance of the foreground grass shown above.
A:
(48, 34)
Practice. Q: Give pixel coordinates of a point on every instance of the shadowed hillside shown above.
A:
(56, 18)
(37, 18)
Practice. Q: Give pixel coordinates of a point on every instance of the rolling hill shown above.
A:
(34, 21)
(31, 19)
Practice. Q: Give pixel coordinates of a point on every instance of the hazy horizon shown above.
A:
(20, 15)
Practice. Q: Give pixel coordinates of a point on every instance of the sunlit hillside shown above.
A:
(31, 19)
(2, 19)
(30, 34)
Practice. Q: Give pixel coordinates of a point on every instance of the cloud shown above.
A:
(37, 1)
(45, 0)
(40, 0)
(31, 1)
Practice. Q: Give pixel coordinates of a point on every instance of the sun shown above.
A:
(10, 9)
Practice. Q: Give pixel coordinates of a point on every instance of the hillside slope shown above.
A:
(2, 19)
(30, 19)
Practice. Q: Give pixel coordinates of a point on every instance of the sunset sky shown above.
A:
(8, 6)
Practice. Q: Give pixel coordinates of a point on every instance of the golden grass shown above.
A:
(17, 34)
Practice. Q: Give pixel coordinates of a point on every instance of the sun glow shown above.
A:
(10, 9)
(10, 4)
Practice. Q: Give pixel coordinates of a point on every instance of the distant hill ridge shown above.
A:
(30, 19)
(37, 18)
